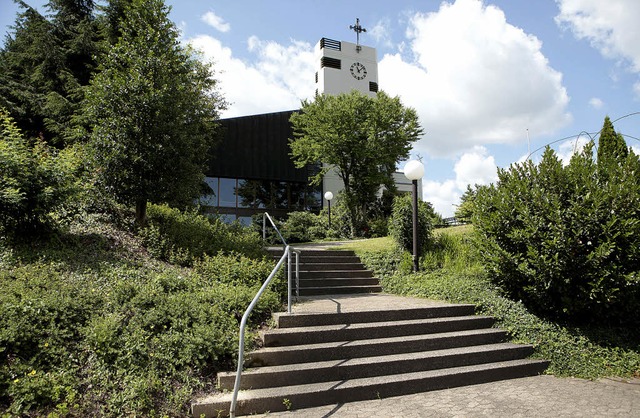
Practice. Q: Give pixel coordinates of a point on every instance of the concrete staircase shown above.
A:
(315, 359)
(332, 272)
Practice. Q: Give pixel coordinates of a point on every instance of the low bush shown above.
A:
(401, 223)
(588, 353)
(184, 236)
(34, 181)
(304, 227)
(91, 326)
(238, 270)
(565, 239)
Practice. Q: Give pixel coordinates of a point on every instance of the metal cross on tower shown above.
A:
(358, 29)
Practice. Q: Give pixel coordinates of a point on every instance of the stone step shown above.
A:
(285, 320)
(305, 267)
(338, 259)
(340, 391)
(335, 350)
(278, 251)
(370, 330)
(355, 368)
(335, 273)
(339, 290)
(325, 253)
(337, 281)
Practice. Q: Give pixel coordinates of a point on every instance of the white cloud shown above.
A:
(636, 90)
(474, 79)
(442, 195)
(573, 146)
(215, 21)
(473, 167)
(277, 81)
(611, 26)
(596, 103)
(292, 66)
(380, 33)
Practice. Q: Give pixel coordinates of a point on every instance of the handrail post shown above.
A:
(243, 325)
(288, 279)
(264, 227)
(297, 275)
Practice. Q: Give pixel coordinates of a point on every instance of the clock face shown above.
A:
(358, 71)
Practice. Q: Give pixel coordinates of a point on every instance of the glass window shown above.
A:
(210, 196)
(313, 199)
(250, 194)
(226, 218)
(227, 193)
(297, 196)
(244, 220)
(280, 195)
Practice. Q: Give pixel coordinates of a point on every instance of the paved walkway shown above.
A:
(539, 396)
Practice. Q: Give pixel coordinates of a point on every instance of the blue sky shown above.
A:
(481, 74)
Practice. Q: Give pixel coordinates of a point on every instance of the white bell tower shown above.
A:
(345, 66)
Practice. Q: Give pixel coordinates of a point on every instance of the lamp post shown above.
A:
(414, 170)
(329, 196)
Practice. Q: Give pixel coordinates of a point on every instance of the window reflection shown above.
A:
(227, 193)
(260, 194)
(244, 220)
(210, 196)
(253, 194)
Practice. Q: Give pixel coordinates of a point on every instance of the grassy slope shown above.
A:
(92, 325)
(452, 273)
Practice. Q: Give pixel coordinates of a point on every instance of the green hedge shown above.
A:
(184, 236)
(565, 239)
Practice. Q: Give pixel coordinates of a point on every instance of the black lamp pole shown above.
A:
(415, 226)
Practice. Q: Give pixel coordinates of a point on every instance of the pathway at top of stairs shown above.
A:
(336, 348)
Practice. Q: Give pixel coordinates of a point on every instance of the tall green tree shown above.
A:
(362, 137)
(467, 203)
(154, 108)
(611, 145)
(45, 63)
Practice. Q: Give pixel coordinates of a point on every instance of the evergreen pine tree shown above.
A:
(45, 63)
(611, 145)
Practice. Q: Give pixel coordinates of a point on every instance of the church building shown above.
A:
(251, 171)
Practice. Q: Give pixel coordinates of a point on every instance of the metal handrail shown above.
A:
(243, 323)
(296, 252)
(264, 228)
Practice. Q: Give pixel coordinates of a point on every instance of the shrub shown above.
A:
(573, 352)
(42, 315)
(90, 325)
(33, 181)
(401, 222)
(304, 227)
(236, 269)
(565, 240)
(184, 236)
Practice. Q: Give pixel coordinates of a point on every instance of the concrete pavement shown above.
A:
(539, 396)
